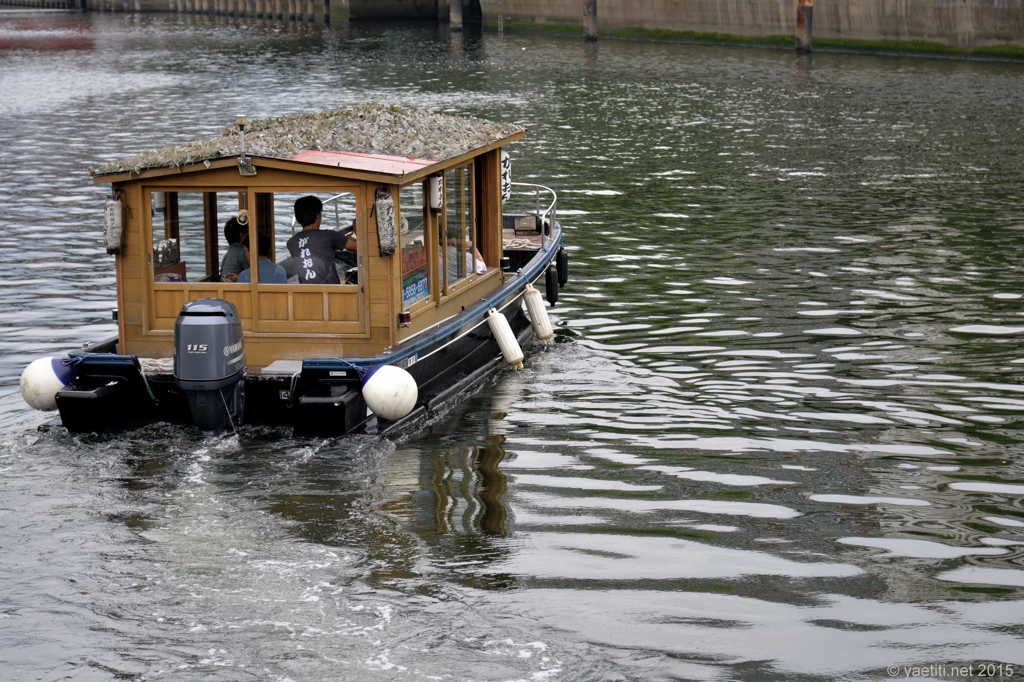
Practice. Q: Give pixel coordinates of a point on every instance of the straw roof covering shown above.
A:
(374, 128)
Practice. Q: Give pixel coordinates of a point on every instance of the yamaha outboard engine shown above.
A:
(209, 363)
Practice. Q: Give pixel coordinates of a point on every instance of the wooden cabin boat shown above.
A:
(436, 259)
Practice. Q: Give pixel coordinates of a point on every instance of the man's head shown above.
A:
(233, 232)
(307, 209)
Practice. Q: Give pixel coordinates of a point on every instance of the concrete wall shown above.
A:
(961, 23)
(393, 9)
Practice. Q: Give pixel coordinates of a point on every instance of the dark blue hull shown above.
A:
(112, 393)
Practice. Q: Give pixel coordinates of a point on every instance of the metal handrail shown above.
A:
(337, 216)
(547, 216)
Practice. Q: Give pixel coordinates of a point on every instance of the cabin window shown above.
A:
(459, 257)
(301, 263)
(415, 267)
(196, 237)
(186, 239)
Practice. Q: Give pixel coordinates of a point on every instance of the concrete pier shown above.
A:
(804, 20)
(297, 11)
(590, 19)
(966, 24)
(455, 15)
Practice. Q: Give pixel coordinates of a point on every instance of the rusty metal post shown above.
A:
(590, 19)
(455, 15)
(804, 16)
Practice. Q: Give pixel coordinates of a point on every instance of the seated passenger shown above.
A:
(270, 272)
(314, 248)
(236, 259)
(453, 262)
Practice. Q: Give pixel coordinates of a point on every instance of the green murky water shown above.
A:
(778, 436)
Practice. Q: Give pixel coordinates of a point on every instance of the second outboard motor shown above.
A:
(209, 363)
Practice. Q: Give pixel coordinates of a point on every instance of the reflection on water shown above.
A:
(777, 434)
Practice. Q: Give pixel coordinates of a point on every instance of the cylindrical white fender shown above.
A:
(538, 314)
(505, 338)
(42, 379)
(389, 391)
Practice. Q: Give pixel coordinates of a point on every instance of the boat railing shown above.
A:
(337, 211)
(542, 209)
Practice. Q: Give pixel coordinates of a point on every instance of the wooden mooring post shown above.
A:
(455, 15)
(590, 19)
(804, 16)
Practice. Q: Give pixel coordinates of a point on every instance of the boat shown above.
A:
(436, 295)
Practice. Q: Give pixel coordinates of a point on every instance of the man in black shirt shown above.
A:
(314, 248)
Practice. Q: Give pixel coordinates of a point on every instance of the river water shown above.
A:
(778, 437)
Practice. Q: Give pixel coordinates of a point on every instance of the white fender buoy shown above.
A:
(505, 338)
(42, 379)
(538, 315)
(389, 391)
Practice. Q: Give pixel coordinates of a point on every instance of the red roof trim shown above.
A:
(362, 161)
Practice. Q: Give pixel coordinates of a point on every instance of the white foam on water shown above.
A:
(580, 483)
(863, 499)
(757, 510)
(842, 417)
(727, 332)
(988, 330)
(593, 192)
(727, 281)
(983, 487)
(833, 331)
(984, 576)
(527, 459)
(920, 549)
(603, 556)
(712, 477)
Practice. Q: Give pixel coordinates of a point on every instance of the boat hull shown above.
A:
(112, 393)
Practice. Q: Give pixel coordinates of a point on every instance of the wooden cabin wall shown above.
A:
(488, 206)
(353, 330)
(366, 329)
(381, 284)
(487, 215)
(212, 231)
(129, 271)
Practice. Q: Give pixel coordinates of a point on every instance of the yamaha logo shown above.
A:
(197, 347)
(228, 350)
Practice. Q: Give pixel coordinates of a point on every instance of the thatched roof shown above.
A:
(375, 128)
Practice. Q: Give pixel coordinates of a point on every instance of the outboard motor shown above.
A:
(209, 363)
